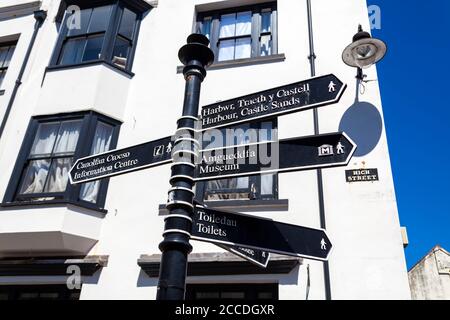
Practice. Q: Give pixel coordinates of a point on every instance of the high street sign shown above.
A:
(303, 95)
(319, 151)
(236, 229)
(121, 161)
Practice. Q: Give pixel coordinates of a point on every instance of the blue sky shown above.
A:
(415, 88)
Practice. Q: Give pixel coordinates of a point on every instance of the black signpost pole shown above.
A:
(175, 247)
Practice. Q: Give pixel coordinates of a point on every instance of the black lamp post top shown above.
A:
(198, 38)
(196, 49)
(361, 34)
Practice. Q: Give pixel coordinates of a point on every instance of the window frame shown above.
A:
(256, 33)
(13, 292)
(250, 290)
(201, 191)
(8, 44)
(110, 34)
(71, 195)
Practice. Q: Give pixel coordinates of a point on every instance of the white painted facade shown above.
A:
(362, 221)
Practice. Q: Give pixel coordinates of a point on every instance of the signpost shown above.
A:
(247, 236)
(299, 96)
(305, 153)
(120, 161)
(235, 229)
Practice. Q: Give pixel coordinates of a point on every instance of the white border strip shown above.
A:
(176, 230)
(181, 176)
(187, 139)
(185, 151)
(184, 128)
(178, 216)
(181, 188)
(187, 117)
(183, 163)
(171, 203)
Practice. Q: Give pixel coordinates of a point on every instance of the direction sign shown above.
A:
(326, 150)
(303, 95)
(236, 229)
(121, 161)
(255, 256)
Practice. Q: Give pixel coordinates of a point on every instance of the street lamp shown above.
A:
(363, 52)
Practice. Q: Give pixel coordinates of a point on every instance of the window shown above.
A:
(106, 33)
(38, 292)
(6, 53)
(240, 33)
(260, 187)
(232, 291)
(48, 152)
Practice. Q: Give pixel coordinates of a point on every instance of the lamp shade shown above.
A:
(364, 51)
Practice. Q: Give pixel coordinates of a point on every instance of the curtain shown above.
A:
(45, 139)
(206, 27)
(3, 54)
(35, 176)
(6, 55)
(232, 25)
(244, 23)
(37, 170)
(265, 21)
(267, 184)
(102, 142)
(227, 25)
(227, 29)
(66, 142)
(266, 45)
(51, 175)
(58, 176)
(2, 76)
(68, 137)
(243, 48)
(226, 50)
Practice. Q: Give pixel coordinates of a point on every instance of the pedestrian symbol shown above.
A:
(339, 148)
(332, 87)
(169, 148)
(323, 244)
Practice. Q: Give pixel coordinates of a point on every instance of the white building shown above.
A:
(429, 278)
(115, 81)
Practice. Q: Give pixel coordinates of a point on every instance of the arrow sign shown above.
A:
(299, 96)
(121, 161)
(236, 229)
(257, 257)
(320, 151)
